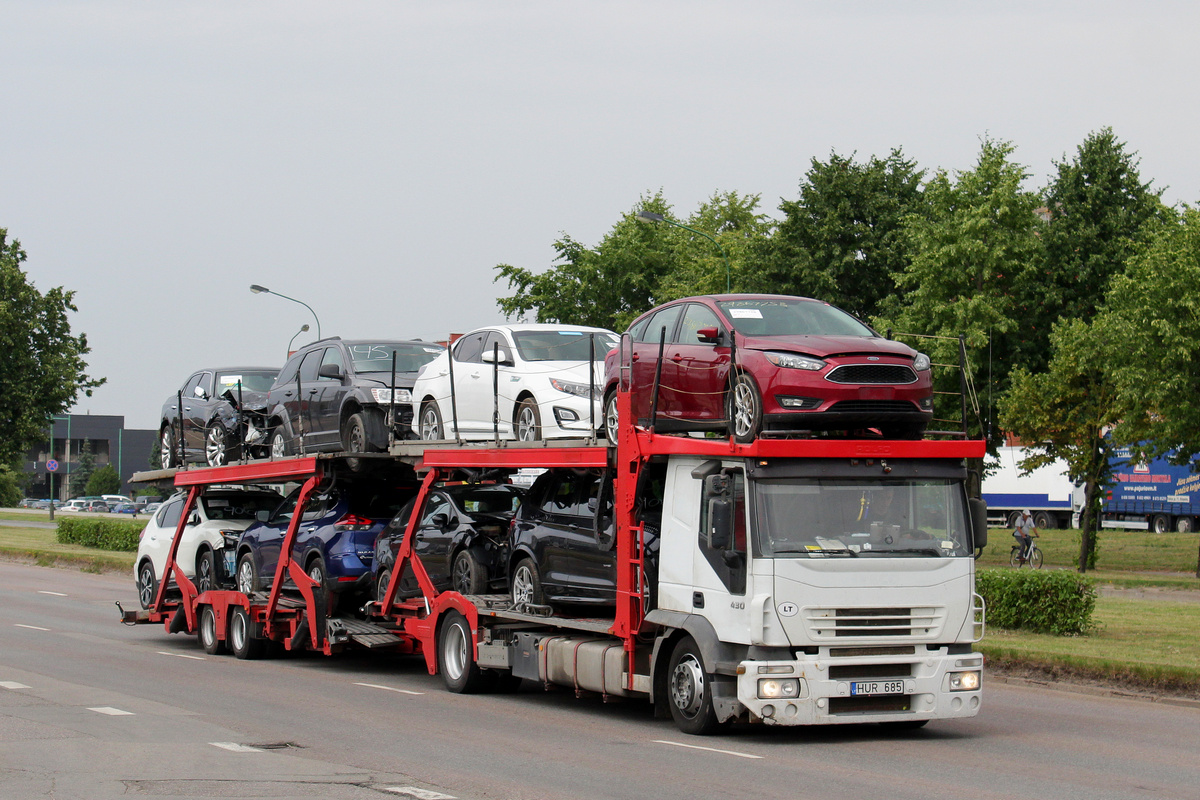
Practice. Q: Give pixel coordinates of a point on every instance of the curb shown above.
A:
(1095, 691)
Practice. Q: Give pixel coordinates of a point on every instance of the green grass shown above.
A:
(1147, 644)
(1117, 551)
(40, 545)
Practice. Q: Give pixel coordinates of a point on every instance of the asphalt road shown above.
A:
(93, 709)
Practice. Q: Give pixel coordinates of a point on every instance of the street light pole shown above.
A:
(303, 329)
(254, 287)
(650, 216)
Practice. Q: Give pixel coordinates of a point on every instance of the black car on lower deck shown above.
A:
(461, 538)
(562, 541)
(221, 414)
(336, 395)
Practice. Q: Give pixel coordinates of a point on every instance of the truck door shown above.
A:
(720, 567)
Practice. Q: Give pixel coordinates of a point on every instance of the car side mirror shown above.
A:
(199, 392)
(332, 371)
(263, 515)
(440, 520)
(709, 335)
(490, 357)
(194, 519)
(978, 508)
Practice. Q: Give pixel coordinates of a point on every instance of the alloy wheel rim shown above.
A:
(522, 586)
(145, 586)
(214, 446)
(526, 427)
(429, 425)
(743, 409)
(278, 448)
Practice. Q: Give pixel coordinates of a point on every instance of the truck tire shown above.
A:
(1014, 519)
(1161, 523)
(1044, 521)
(689, 691)
(242, 639)
(207, 632)
(456, 656)
(1183, 524)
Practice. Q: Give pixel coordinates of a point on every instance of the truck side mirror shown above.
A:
(720, 523)
(979, 521)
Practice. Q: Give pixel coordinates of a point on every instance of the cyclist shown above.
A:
(1024, 533)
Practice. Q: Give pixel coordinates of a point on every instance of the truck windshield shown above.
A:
(832, 518)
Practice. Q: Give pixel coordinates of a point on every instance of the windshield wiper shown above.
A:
(920, 550)
(822, 550)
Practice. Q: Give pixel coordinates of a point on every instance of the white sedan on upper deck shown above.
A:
(535, 376)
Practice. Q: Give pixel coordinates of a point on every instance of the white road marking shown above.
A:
(709, 749)
(234, 747)
(388, 689)
(179, 655)
(420, 794)
(112, 712)
(56, 594)
(31, 627)
(12, 685)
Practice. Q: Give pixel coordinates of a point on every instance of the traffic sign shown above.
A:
(52, 465)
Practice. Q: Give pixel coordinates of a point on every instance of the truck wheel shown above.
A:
(1183, 525)
(743, 408)
(1044, 521)
(1014, 519)
(208, 632)
(242, 641)
(456, 656)
(206, 572)
(527, 584)
(690, 690)
(1161, 523)
(468, 575)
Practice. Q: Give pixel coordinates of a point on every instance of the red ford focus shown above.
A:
(748, 363)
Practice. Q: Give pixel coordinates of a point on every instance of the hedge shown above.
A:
(1051, 601)
(104, 534)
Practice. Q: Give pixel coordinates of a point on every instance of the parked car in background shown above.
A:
(71, 505)
(215, 426)
(126, 508)
(146, 499)
(801, 365)
(114, 499)
(335, 395)
(461, 538)
(96, 506)
(207, 547)
(26, 502)
(150, 508)
(562, 543)
(544, 377)
(335, 542)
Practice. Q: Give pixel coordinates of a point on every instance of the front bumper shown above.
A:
(824, 696)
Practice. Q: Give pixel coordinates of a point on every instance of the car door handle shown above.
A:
(287, 394)
(474, 374)
(633, 357)
(677, 358)
(187, 408)
(312, 390)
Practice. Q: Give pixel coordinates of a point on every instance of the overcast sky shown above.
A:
(378, 159)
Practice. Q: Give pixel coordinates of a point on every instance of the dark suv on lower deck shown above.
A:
(562, 543)
(337, 395)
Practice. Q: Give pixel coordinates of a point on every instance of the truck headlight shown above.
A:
(964, 681)
(774, 688)
(385, 395)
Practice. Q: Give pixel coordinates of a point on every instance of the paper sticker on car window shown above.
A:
(745, 313)
(230, 380)
(432, 349)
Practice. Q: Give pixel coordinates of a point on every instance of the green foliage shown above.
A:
(104, 481)
(1041, 601)
(85, 465)
(10, 487)
(42, 370)
(637, 265)
(1153, 314)
(843, 240)
(105, 534)
(977, 244)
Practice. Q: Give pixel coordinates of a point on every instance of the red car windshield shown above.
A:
(780, 316)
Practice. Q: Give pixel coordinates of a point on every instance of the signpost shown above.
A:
(51, 468)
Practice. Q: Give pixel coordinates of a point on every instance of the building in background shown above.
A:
(127, 450)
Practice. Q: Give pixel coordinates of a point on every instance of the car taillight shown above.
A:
(353, 522)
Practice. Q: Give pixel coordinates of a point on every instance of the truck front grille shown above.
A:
(902, 623)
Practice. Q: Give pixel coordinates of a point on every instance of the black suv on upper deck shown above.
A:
(335, 395)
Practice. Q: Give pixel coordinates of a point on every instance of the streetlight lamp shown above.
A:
(303, 329)
(650, 216)
(254, 287)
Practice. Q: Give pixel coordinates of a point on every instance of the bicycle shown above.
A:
(1035, 556)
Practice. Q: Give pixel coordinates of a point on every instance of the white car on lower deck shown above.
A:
(202, 549)
(541, 381)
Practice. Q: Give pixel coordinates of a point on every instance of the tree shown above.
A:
(1098, 210)
(970, 254)
(637, 265)
(85, 465)
(1064, 412)
(10, 487)
(843, 240)
(42, 369)
(1154, 310)
(104, 481)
